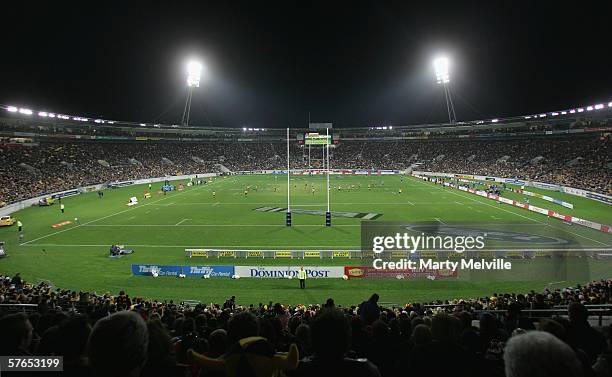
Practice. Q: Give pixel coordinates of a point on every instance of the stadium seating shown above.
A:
(50, 167)
(331, 340)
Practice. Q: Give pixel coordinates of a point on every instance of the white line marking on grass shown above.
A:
(511, 212)
(179, 224)
(104, 217)
(495, 217)
(440, 221)
(409, 202)
(461, 204)
(216, 204)
(275, 247)
(230, 247)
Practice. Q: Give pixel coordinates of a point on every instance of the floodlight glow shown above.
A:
(609, 104)
(542, 115)
(572, 111)
(25, 111)
(580, 110)
(51, 115)
(42, 114)
(589, 108)
(194, 73)
(12, 109)
(563, 112)
(528, 117)
(244, 128)
(599, 106)
(555, 114)
(441, 66)
(495, 120)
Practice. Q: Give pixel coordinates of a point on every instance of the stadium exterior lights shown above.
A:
(554, 114)
(442, 69)
(609, 104)
(194, 74)
(580, 110)
(599, 106)
(25, 111)
(43, 114)
(528, 117)
(244, 128)
(12, 109)
(390, 127)
(542, 115)
(572, 111)
(589, 108)
(51, 115)
(563, 112)
(111, 122)
(143, 125)
(495, 120)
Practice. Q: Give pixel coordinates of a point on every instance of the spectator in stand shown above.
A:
(118, 345)
(582, 335)
(331, 338)
(369, 310)
(16, 332)
(540, 354)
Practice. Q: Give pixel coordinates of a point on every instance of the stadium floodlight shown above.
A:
(494, 120)
(194, 74)
(51, 115)
(572, 111)
(580, 110)
(609, 104)
(442, 68)
(589, 108)
(12, 109)
(25, 111)
(43, 114)
(554, 114)
(599, 106)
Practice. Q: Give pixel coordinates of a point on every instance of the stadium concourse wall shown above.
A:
(14, 207)
(544, 211)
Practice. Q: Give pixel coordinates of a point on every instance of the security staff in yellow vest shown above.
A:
(62, 207)
(302, 276)
(19, 226)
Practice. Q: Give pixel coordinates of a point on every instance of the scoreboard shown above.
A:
(314, 138)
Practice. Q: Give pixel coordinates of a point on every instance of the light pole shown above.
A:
(194, 73)
(441, 65)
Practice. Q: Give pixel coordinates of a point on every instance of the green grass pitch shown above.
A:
(75, 256)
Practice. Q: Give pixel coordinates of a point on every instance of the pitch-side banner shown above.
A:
(369, 272)
(197, 271)
(273, 272)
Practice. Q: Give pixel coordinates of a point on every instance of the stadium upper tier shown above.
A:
(581, 161)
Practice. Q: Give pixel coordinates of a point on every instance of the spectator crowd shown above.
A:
(50, 167)
(120, 335)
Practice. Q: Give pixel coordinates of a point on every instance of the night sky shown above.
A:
(270, 64)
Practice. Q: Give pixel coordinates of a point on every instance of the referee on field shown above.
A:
(302, 276)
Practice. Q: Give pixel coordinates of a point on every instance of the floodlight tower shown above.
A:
(441, 65)
(194, 73)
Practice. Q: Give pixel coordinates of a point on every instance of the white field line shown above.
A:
(279, 247)
(216, 225)
(299, 205)
(105, 217)
(440, 221)
(265, 247)
(452, 191)
(180, 222)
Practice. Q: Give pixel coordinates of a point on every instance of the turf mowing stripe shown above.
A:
(106, 217)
